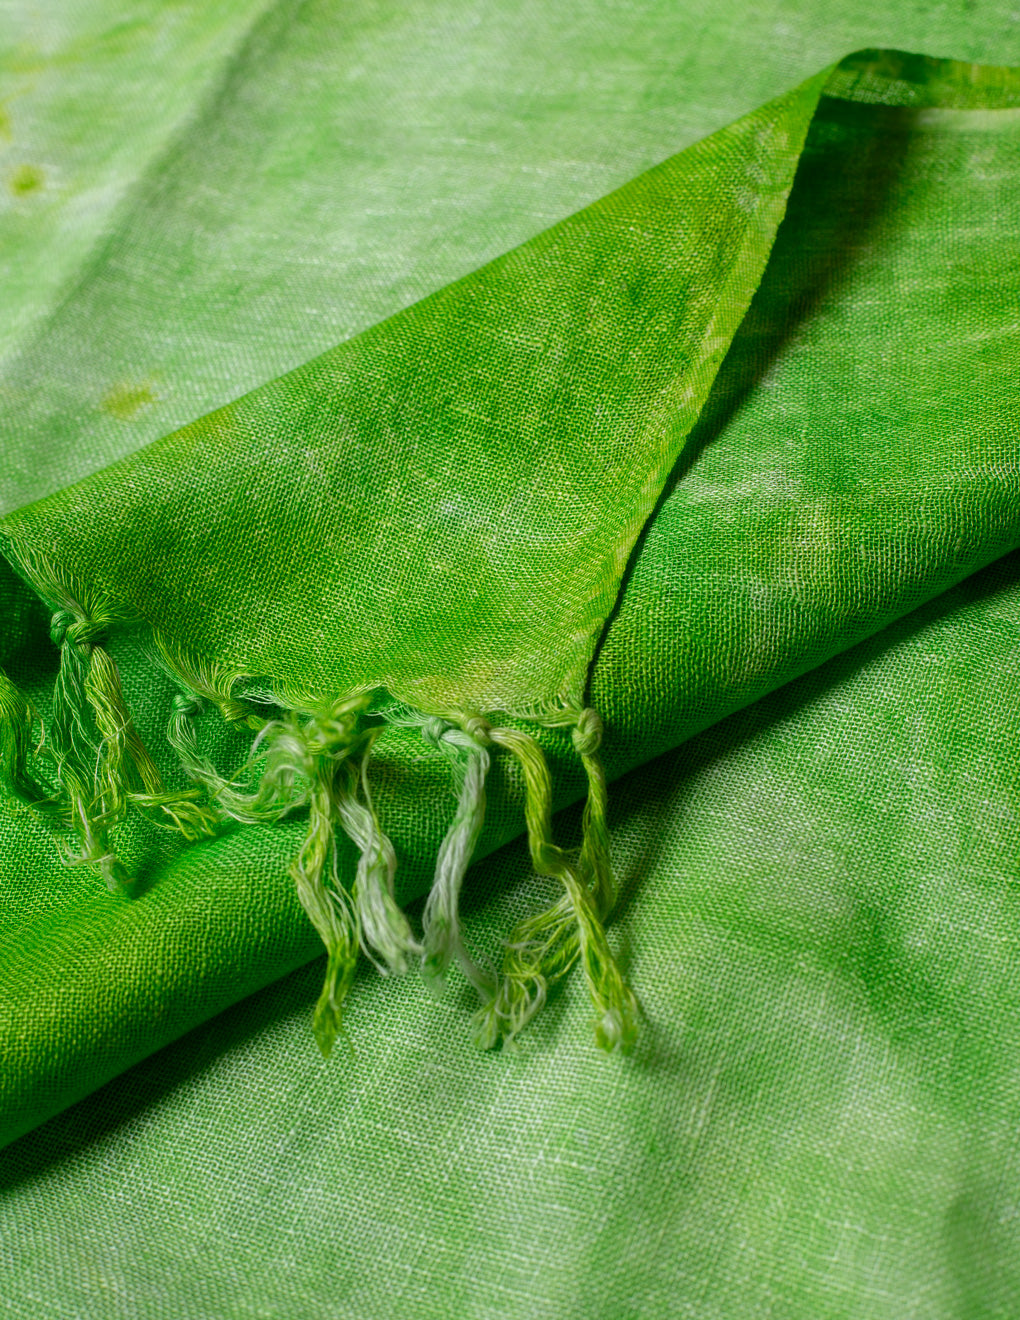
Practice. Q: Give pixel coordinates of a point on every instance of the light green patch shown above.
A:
(127, 401)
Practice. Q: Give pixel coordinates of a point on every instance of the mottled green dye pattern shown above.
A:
(370, 548)
(126, 401)
(818, 914)
(820, 1118)
(239, 185)
(551, 391)
(26, 179)
(315, 573)
(90, 98)
(370, 542)
(870, 456)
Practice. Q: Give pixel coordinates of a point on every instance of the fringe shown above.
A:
(443, 943)
(317, 757)
(18, 719)
(544, 947)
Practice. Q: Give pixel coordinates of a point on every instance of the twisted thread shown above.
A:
(385, 929)
(545, 946)
(317, 882)
(329, 751)
(466, 751)
(279, 788)
(18, 719)
(101, 763)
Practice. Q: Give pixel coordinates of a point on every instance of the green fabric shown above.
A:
(443, 505)
(816, 922)
(820, 1117)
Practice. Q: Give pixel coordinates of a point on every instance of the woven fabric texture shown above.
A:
(821, 911)
(711, 424)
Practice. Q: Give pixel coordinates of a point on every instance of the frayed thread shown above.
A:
(545, 946)
(328, 750)
(466, 751)
(318, 757)
(19, 747)
(101, 764)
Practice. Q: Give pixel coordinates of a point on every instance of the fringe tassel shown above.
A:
(83, 765)
(466, 751)
(316, 879)
(330, 752)
(274, 762)
(279, 790)
(544, 947)
(383, 925)
(102, 764)
(596, 860)
(315, 753)
(124, 757)
(318, 757)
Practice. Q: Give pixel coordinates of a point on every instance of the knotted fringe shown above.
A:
(544, 947)
(101, 764)
(278, 789)
(465, 750)
(318, 757)
(330, 752)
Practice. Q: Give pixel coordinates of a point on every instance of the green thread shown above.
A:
(123, 758)
(321, 760)
(314, 753)
(329, 751)
(318, 757)
(203, 680)
(595, 859)
(101, 763)
(443, 942)
(278, 791)
(18, 719)
(464, 747)
(338, 734)
(332, 913)
(383, 925)
(76, 745)
(545, 946)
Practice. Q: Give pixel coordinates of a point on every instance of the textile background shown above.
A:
(819, 909)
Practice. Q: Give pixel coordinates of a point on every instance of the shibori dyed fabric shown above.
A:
(437, 513)
(522, 536)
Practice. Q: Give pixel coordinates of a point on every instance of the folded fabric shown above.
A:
(425, 531)
(820, 912)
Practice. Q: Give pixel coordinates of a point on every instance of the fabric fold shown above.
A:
(330, 559)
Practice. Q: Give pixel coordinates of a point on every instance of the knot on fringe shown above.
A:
(102, 766)
(317, 757)
(586, 734)
(545, 946)
(433, 730)
(479, 729)
(66, 627)
(330, 749)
